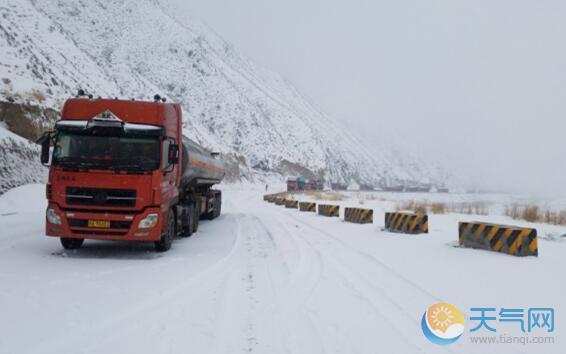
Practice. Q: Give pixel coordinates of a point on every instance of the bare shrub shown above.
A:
(472, 208)
(512, 211)
(39, 96)
(534, 213)
(555, 217)
(332, 196)
(531, 214)
(417, 207)
(475, 208)
(438, 208)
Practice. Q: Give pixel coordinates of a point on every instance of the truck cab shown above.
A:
(115, 174)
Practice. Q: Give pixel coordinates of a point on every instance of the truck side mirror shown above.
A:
(45, 142)
(173, 154)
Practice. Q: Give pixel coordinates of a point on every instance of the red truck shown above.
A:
(122, 170)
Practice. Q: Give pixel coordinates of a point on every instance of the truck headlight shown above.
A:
(52, 217)
(148, 222)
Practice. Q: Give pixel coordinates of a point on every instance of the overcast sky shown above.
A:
(479, 86)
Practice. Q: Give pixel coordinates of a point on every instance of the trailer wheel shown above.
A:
(218, 206)
(71, 243)
(187, 221)
(196, 218)
(215, 212)
(164, 244)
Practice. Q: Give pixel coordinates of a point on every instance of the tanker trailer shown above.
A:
(200, 170)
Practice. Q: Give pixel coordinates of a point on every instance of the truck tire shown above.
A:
(218, 206)
(215, 212)
(164, 244)
(196, 218)
(188, 220)
(71, 243)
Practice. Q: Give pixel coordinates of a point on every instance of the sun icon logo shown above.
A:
(442, 316)
(443, 323)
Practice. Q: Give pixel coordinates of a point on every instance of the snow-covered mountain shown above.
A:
(133, 49)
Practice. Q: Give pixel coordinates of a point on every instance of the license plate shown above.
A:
(99, 223)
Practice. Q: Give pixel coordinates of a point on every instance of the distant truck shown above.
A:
(302, 184)
(122, 170)
(314, 185)
(295, 184)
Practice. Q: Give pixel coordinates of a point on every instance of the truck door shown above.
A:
(169, 181)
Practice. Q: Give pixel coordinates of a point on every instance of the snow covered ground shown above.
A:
(261, 279)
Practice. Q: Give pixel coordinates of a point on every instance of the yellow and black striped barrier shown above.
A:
(279, 201)
(269, 198)
(406, 222)
(291, 204)
(358, 215)
(307, 206)
(328, 210)
(513, 240)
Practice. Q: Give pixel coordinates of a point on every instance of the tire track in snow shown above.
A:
(296, 311)
(185, 290)
(367, 287)
(290, 315)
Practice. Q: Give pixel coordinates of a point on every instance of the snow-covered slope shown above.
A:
(132, 48)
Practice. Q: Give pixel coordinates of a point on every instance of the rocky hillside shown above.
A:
(132, 49)
(19, 161)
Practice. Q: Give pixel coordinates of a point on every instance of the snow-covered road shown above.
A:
(260, 279)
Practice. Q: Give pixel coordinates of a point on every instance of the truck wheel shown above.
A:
(196, 218)
(72, 243)
(164, 244)
(188, 220)
(218, 207)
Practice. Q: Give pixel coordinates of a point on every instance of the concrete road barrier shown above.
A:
(328, 210)
(513, 240)
(358, 215)
(406, 222)
(291, 204)
(307, 206)
(271, 197)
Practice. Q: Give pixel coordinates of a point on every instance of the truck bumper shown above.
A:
(110, 226)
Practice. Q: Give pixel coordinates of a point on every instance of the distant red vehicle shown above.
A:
(292, 184)
(121, 170)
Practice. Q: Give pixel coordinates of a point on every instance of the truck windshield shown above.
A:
(130, 153)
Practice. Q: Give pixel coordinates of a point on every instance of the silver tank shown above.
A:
(198, 166)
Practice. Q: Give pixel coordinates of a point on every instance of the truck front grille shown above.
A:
(101, 197)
